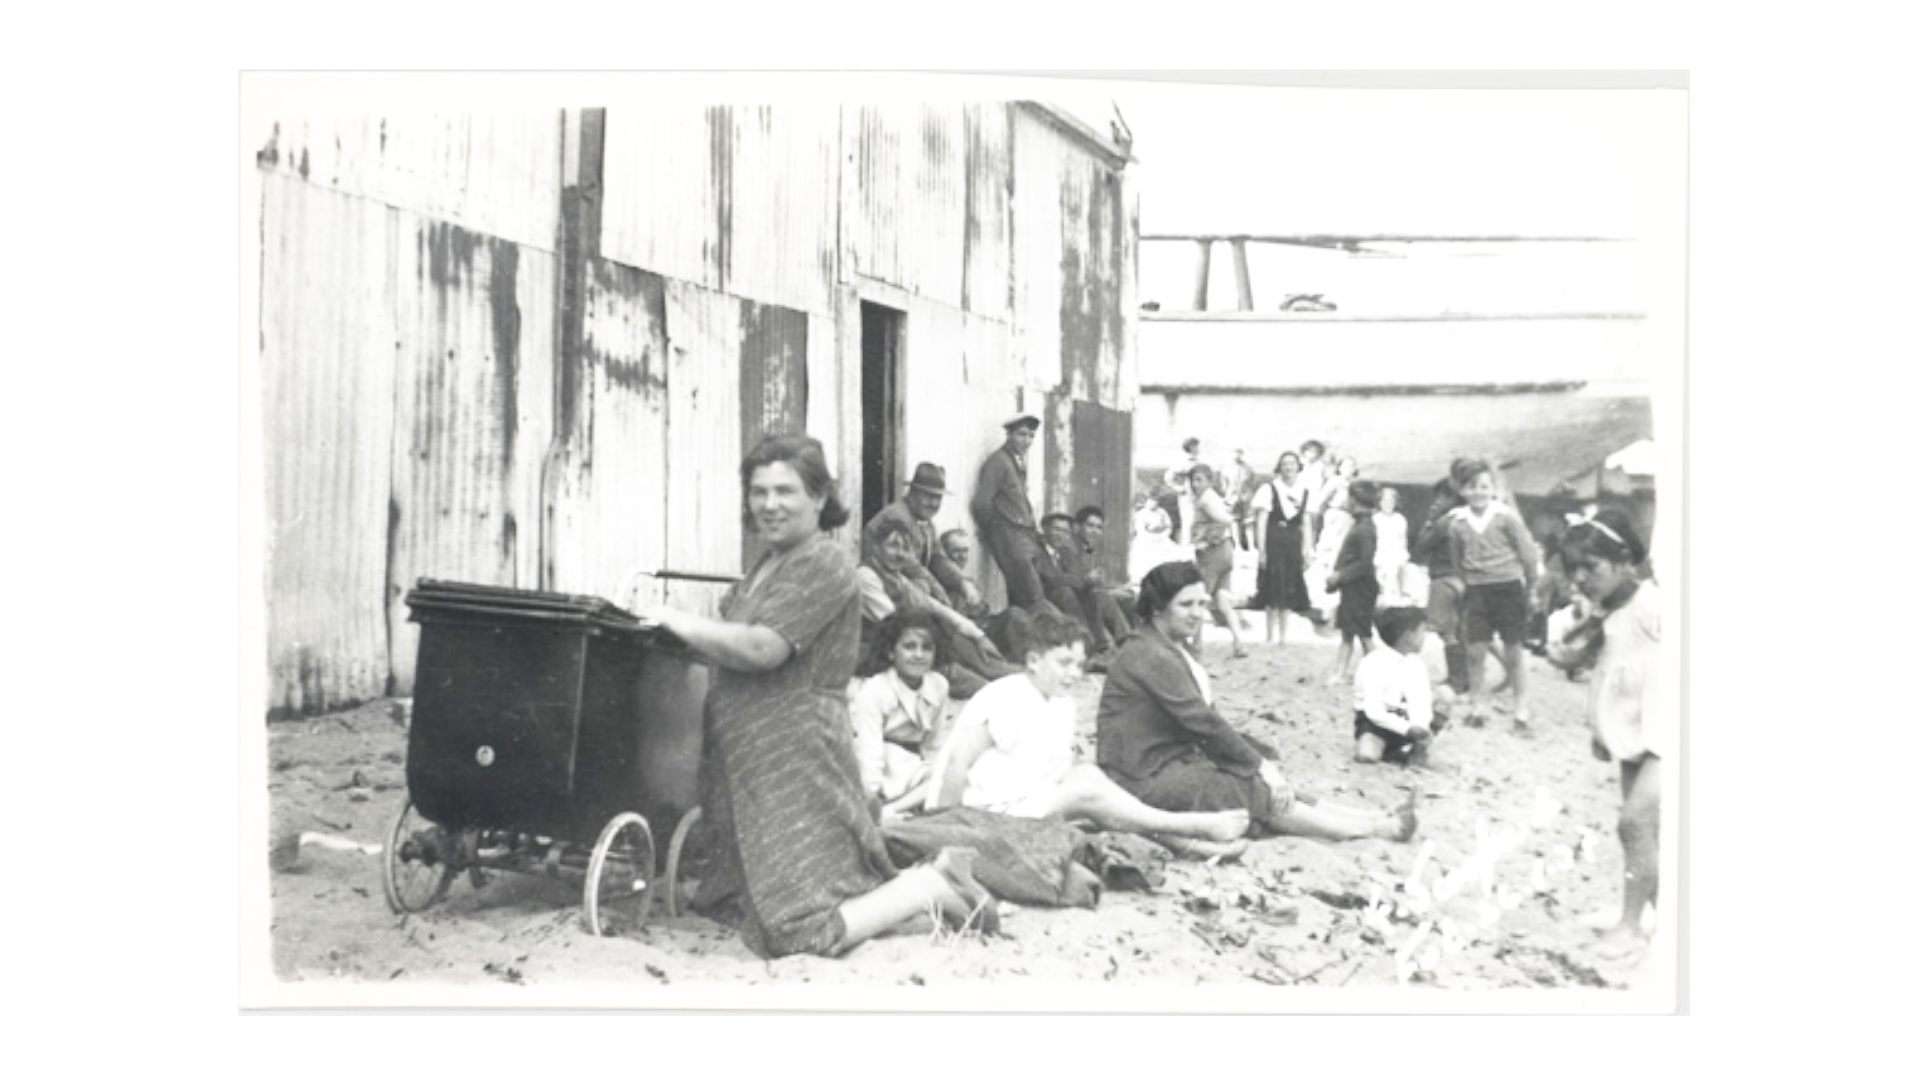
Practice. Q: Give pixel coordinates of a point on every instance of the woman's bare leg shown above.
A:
(945, 886)
(1087, 792)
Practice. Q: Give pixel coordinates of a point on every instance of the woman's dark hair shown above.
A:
(1282, 460)
(1190, 445)
(1162, 584)
(1608, 535)
(806, 456)
(894, 627)
(1364, 494)
(1313, 444)
(1194, 474)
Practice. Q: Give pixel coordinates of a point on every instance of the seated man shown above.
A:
(1011, 751)
(1116, 601)
(931, 570)
(1073, 585)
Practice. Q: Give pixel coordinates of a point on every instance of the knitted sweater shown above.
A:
(1500, 550)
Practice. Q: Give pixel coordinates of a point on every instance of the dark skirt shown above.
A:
(1195, 784)
(1282, 579)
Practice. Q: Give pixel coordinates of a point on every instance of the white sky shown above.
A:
(1424, 162)
(1528, 162)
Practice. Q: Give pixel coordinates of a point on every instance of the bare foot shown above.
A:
(971, 902)
(1619, 943)
(1222, 826)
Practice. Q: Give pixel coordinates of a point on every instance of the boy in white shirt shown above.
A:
(1011, 752)
(1393, 714)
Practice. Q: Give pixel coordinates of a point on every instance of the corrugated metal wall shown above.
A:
(411, 308)
(327, 360)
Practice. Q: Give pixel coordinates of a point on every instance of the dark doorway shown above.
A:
(880, 337)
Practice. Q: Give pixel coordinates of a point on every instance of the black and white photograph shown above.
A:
(963, 543)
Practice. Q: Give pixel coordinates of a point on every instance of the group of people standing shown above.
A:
(797, 783)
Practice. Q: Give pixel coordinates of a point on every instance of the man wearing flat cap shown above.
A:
(932, 570)
(1005, 517)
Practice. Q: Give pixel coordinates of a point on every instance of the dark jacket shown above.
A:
(1151, 714)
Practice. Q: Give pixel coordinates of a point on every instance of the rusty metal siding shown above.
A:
(986, 284)
(785, 206)
(773, 383)
(906, 191)
(703, 504)
(737, 199)
(493, 173)
(607, 480)
(326, 357)
(472, 405)
(664, 180)
(1036, 244)
(1102, 475)
(1072, 265)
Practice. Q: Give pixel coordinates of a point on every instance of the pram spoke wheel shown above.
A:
(675, 849)
(620, 876)
(415, 873)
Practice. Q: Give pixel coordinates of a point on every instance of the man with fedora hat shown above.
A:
(932, 571)
(1005, 517)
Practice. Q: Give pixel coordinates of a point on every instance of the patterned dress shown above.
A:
(794, 834)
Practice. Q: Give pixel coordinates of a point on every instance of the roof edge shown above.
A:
(1072, 125)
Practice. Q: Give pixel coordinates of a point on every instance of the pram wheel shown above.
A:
(416, 870)
(620, 876)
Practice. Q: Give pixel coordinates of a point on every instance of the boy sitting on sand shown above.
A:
(1011, 752)
(1393, 715)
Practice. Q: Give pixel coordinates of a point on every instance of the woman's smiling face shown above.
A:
(782, 509)
(1186, 611)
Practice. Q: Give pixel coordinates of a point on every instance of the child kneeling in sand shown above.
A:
(1011, 752)
(1393, 716)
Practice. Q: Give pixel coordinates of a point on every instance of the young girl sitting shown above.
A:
(1498, 561)
(1356, 580)
(899, 712)
(1012, 752)
(1631, 700)
(1392, 699)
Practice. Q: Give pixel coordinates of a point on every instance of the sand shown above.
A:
(1293, 912)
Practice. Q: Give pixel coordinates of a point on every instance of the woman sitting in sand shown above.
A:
(1011, 752)
(1162, 740)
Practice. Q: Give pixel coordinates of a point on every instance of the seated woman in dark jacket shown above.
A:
(1161, 739)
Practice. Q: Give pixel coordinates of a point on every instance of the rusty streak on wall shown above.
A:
(470, 323)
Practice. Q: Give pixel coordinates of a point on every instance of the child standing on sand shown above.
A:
(1356, 580)
(1496, 558)
(1630, 703)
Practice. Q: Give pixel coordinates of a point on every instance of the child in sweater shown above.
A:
(1393, 714)
(1496, 557)
(1356, 580)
